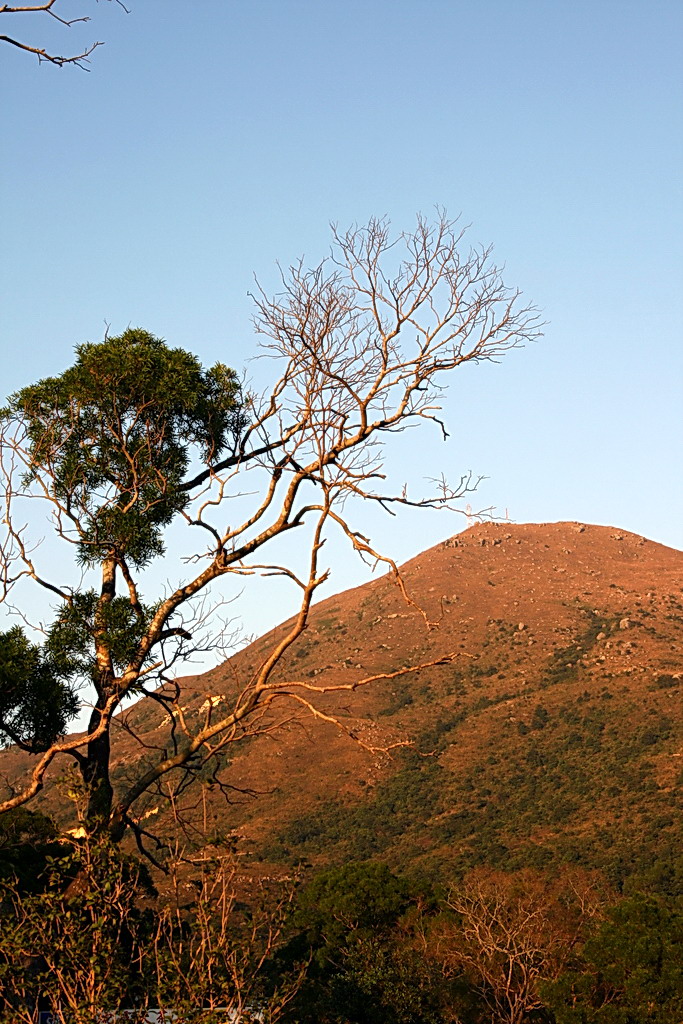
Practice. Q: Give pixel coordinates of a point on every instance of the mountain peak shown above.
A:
(554, 731)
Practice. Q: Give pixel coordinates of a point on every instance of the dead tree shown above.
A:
(362, 346)
(514, 931)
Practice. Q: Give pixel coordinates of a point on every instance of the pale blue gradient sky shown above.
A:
(212, 138)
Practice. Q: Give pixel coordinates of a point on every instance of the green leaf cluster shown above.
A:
(113, 437)
(630, 970)
(27, 838)
(70, 638)
(36, 699)
(349, 922)
(75, 940)
(359, 895)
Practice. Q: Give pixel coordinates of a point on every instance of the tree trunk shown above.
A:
(96, 774)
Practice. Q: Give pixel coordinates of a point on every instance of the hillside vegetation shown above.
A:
(553, 737)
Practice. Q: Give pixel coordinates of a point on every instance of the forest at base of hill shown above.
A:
(356, 944)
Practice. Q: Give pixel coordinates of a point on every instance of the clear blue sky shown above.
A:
(212, 138)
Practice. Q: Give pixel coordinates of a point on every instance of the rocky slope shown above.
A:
(555, 735)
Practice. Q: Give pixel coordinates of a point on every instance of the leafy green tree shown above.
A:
(358, 925)
(115, 434)
(391, 981)
(363, 897)
(137, 439)
(36, 699)
(109, 443)
(631, 969)
(27, 840)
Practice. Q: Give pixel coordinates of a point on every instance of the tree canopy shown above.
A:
(115, 434)
(36, 699)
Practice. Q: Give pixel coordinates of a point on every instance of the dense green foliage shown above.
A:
(630, 971)
(69, 638)
(363, 897)
(36, 700)
(27, 839)
(384, 951)
(379, 949)
(115, 434)
(355, 925)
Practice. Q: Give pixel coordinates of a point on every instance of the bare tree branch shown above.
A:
(364, 345)
(79, 60)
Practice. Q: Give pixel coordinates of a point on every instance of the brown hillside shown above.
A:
(556, 733)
